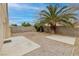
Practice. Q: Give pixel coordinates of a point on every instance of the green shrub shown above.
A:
(25, 24)
(39, 27)
(14, 25)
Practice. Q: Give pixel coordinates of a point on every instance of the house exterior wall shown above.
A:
(1, 28)
(5, 21)
(4, 28)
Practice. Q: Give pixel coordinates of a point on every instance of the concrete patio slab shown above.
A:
(64, 39)
(19, 46)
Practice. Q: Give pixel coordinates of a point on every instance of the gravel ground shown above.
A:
(48, 47)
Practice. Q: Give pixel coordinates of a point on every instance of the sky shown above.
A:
(28, 12)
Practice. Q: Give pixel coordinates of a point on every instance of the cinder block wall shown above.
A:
(16, 29)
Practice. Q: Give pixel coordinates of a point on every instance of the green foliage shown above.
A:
(39, 26)
(54, 14)
(25, 24)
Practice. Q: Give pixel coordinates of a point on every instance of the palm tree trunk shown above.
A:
(53, 27)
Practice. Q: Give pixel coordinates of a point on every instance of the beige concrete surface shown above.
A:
(61, 38)
(48, 47)
(18, 46)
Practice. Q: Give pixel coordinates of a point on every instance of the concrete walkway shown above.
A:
(18, 46)
(64, 39)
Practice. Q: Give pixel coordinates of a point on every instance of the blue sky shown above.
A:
(28, 12)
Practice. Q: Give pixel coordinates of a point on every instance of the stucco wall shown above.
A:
(1, 28)
(1, 24)
(68, 31)
(4, 28)
(5, 20)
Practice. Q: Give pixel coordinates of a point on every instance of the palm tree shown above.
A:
(58, 15)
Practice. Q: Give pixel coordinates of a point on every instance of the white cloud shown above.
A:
(23, 7)
(15, 6)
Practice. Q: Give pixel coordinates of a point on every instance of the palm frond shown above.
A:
(61, 9)
(56, 14)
